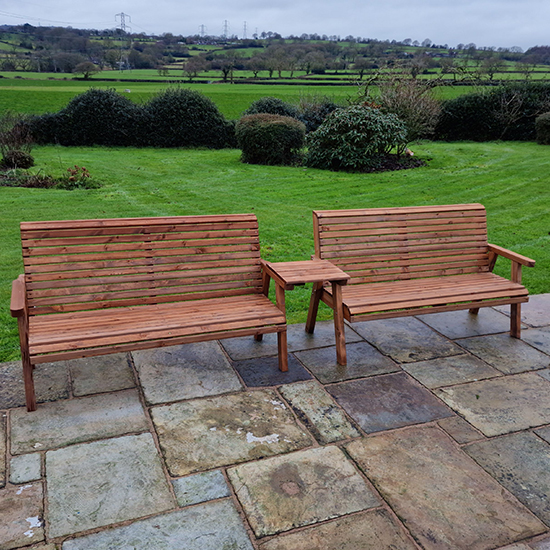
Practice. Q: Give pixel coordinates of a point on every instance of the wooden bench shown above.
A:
(412, 260)
(94, 287)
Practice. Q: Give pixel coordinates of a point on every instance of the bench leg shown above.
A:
(30, 397)
(339, 328)
(282, 348)
(258, 337)
(515, 320)
(313, 307)
(474, 310)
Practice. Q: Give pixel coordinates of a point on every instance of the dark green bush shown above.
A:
(504, 112)
(96, 117)
(355, 139)
(313, 112)
(272, 106)
(269, 139)
(17, 159)
(186, 118)
(542, 126)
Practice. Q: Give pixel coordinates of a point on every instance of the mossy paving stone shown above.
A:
(210, 432)
(298, 489)
(442, 496)
(521, 463)
(501, 405)
(371, 530)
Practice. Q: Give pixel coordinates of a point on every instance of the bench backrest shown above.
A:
(387, 244)
(94, 264)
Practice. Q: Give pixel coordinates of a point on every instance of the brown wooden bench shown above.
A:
(94, 287)
(413, 260)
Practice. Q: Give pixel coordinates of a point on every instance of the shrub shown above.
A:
(542, 126)
(355, 139)
(503, 112)
(186, 118)
(96, 117)
(412, 100)
(313, 111)
(17, 159)
(15, 134)
(269, 139)
(272, 106)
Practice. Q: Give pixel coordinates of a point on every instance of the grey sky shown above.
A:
(496, 23)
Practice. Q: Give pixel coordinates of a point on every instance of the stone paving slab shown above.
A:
(461, 324)
(218, 431)
(318, 411)
(544, 433)
(199, 488)
(521, 463)
(298, 339)
(406, 339)
(183, 372)
(501, 405)
(371, 530)
(3, 448)
(76, 420)
(447, 371)
(508, 355)
(21, 513)
(544, 373)
(264, 371)
(362, 360)
(444, 498)
(104, 482)
(25, 468)
(284, 492)
(387, 402)
(543, 544)
(538, 338)
(101, 374)
(534, 312)
(460, 430)
(51, 383)
(210, 526)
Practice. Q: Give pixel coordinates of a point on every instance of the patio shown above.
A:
(435, 436)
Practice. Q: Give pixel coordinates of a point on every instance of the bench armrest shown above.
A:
(18, 304)
(514, 256)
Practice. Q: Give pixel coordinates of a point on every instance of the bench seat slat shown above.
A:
(109, 327)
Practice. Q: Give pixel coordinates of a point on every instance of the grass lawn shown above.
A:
(510, 179)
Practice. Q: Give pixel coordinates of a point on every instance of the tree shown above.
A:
(490, 66)
(86, 69)
(193, 66)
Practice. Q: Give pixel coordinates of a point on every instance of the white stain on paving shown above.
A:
(34, 522)
(251, 438)
(21, 489)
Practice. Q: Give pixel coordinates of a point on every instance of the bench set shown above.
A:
(94, 287)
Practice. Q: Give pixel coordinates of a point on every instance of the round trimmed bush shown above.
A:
(269, 139)
(186, 118)
(96, 117)
(542, 126)
(272, 106)
(355, 139)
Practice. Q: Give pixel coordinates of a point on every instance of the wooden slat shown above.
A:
(67, 332)
(458, 209)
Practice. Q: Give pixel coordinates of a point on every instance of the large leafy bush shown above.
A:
(504, 112)
(96, 117)
(355, 139)
(185, 118)
(269, 139)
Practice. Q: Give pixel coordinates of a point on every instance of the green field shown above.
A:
(37, 96)
(509, 178)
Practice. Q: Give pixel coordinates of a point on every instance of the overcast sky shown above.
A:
(499, 23)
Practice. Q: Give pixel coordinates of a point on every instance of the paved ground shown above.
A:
(435, 436)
